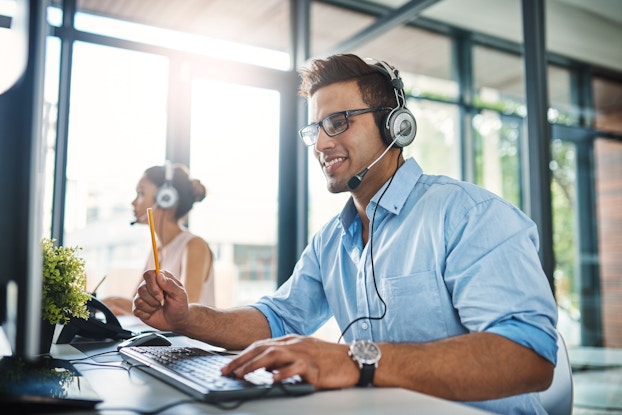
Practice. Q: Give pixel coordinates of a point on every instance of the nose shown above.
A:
(323, 142)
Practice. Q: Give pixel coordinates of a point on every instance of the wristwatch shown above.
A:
(366, 354)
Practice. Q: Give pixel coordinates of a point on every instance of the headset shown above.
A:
(400, 126)
(167, 196)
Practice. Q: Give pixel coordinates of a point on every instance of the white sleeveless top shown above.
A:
(170, 257)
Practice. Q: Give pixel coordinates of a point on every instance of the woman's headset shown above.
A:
(167, 196)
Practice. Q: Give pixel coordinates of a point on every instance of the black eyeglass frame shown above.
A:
(310, 133)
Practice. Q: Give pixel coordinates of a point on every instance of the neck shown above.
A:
(367, 190)
(167, 229)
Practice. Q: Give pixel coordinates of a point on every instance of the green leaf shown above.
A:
(64, 281)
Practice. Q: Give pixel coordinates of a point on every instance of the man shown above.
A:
(436, 283)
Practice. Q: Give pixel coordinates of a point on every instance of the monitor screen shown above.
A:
(21, 185)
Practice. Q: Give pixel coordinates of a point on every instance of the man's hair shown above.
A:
(376, 89)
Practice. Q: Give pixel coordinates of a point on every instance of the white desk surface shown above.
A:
(138, 390)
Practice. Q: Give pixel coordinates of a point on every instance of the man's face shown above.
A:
(345, 155)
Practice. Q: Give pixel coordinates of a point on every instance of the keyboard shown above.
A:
(196, 372)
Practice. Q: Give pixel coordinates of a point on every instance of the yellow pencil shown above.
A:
(154, 244)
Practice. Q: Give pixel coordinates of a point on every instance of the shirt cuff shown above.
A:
(529, 336)
(275, 323)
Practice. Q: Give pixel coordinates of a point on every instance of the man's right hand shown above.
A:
(161, 301)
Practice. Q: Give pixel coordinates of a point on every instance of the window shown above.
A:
(234, 152)
(117, 129)
(497, 154)
(498, 81)
(564, 109)
(608, 105)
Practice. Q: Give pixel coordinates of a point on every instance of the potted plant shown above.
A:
(64, 288)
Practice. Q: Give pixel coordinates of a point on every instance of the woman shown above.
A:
(179, 251)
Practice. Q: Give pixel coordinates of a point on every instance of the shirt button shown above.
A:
(364, 326)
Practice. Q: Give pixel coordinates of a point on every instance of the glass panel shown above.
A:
(608, 158)
(423, 59)
(567, 282)
(219, 30)
(563, 109)
(117, 128)
(342, 23)
(498, 81)
(239, 216)
(50, 118)
(437, 143)
(496, 141)
(608, 105)
(55, 16)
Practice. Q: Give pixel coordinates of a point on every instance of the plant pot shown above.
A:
(46, 336)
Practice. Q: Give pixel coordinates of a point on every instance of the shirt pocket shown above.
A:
(415, 311)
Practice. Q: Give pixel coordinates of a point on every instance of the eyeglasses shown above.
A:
(332, 125)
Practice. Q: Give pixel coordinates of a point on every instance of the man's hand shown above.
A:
(325, 365)
(161, 301)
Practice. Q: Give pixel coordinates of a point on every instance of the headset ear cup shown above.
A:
(401, 124)
(166, 197)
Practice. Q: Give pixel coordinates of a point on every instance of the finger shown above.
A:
(144, 303)
(247, 355)
(151, 285)
(297, 367)
(145, 298)
(258, 348)
(271, 358)
(170, 287)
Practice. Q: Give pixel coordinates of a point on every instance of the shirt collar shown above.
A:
(395, 197)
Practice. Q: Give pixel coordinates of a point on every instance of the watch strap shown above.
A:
(367, 375)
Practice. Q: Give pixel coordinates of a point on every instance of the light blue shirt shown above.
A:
(448, 257)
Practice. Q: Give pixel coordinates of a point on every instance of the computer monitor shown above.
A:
(29, 382)
(21, 178)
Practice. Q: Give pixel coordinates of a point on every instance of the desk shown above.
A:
(136, 389)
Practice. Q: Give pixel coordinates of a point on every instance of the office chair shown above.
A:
(557, 399)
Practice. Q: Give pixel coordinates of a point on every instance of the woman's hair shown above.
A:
(376, 89)
(189, 190)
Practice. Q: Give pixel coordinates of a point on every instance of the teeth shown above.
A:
(333, 161)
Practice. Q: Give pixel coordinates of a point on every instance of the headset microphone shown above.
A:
(143, 216)
(354, 182)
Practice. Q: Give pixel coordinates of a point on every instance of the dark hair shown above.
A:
(376, 89)
(189, 190)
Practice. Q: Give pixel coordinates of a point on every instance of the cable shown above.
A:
(91, 356)
(371, 257)
(103, 365)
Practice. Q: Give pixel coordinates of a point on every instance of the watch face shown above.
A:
(365, 352)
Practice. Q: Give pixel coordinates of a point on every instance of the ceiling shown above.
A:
(584, 30)
(579, 29)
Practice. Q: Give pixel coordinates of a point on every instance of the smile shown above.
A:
(333, 161)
